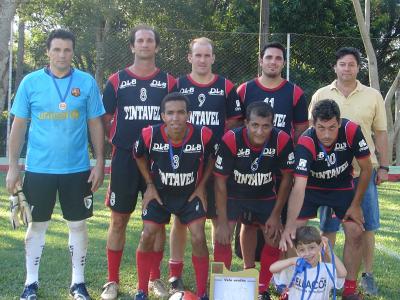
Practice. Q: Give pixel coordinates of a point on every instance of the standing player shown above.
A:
(290, 108)
(247, 160)
(365, 106)
(132, 99)
(214, 103)
(323, 177)
(61, 103)
(181, 162)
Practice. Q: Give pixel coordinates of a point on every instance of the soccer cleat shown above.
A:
(159, 288)
(30, 292)
(176, 285)
(368, 284)
(79, 292)
(110, 291)
(140, 295)
(264, 296)
(355, 296)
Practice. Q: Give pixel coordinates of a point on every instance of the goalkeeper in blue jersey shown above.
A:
(62, 104)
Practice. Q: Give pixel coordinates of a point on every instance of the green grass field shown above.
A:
(55, 268)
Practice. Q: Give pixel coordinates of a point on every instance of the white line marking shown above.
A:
(387, 251)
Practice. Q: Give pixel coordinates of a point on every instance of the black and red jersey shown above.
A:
(211, 104)
(287, 100)
(330, 168)
(135, 103)
(180, 170)
(251, 171)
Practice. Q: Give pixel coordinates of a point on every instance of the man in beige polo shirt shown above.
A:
(363, 105)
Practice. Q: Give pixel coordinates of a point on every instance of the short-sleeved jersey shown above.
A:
(182, 173)
(211, 104)
(364, 105)
(58, 139)
(250, 170)
(135, 103)
(321, 289)
(330, 169)
(287, 100)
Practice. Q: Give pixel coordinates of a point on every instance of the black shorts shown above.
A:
(250, 211)
(339, 201)
(185, 211)
(211, 208)
(126, 182)
(74, 194)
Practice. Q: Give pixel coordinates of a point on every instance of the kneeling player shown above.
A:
(323, 177)
(171, 158)
(245, 168)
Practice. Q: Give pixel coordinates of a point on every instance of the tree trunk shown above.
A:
(101, 33)
(367, 14)
(264, 26)
(369, 49)
(7, 11)
(397, 125)
(20, 54)
(393, 129)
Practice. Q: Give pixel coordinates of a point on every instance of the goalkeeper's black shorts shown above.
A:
(73, 190)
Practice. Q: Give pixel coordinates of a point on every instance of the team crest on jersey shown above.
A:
(291, 158)
(88, 200)
(136, 145)
(158, 84)
(76, 92)
(340, 146)
(143, 94)
(160, 147)
(216, 147)
(216, 92)
(238, 107)
(127, 83)
(320, 156)
(202, 99)
(269, 152)
(218, 163)
(175, 162)
(243, 152)
(112, 199)
(187, 91)
(302, 164)
(192, 148)
(363, 145)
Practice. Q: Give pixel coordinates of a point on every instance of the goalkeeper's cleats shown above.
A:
(140, 295)
(79, 292)
(30, 292)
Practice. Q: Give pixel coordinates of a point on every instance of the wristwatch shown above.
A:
(384, 168)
